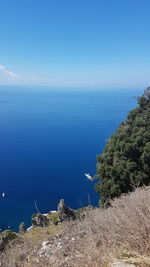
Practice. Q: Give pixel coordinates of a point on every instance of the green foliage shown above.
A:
(54, 218)
(125, 161)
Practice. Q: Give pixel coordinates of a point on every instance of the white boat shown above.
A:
(91, 178)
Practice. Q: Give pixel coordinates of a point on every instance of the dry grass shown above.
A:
(119, 232)
(123, 231)
(39, 234)
(18, 250)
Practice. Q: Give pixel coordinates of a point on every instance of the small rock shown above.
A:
(64, 212)
(22, 228)
(39, 220)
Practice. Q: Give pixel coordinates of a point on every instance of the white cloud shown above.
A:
(2, 67)
(9, 73)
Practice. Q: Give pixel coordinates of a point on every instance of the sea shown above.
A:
(49, 139)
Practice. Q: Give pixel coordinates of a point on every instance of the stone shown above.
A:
(22, 228)
(39, 220)
(64, 212)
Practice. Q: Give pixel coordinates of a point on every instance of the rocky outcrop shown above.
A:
(39, 220)
(55, 217)
(22, 228)
(6, 237)
(64, 212)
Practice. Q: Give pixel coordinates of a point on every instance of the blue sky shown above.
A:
(100, 43)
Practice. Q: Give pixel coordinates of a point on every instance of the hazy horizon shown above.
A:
(66, 88)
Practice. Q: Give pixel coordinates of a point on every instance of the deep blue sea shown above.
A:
(48, 140)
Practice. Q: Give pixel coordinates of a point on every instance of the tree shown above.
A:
(125, 161)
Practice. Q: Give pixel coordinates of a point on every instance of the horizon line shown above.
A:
(75, 86)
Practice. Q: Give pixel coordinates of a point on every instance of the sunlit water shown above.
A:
(48, 140)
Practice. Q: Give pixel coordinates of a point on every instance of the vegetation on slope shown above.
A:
(118, 233)
(125, 161)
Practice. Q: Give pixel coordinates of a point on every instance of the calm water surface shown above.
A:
(48, 140)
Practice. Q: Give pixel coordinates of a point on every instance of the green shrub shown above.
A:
(125, 161)
(54, 218)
